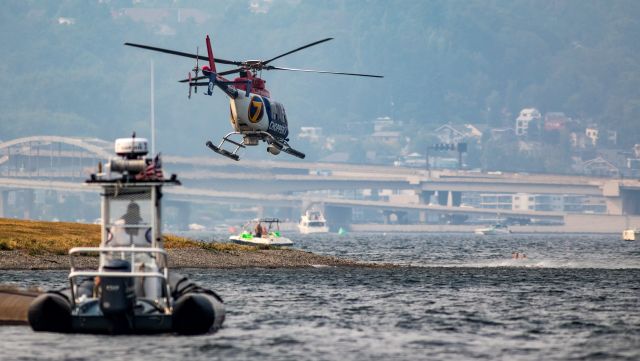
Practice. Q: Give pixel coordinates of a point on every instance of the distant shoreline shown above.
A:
(191, 258)
(38, 245)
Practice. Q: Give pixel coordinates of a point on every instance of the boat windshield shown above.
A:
(269, 225)
(128, 221)
(314, 215)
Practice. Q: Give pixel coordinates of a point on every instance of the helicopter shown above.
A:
(255, 116)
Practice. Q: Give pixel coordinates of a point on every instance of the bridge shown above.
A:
(59, 164)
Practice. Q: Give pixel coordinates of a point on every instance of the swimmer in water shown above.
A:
(518, 255)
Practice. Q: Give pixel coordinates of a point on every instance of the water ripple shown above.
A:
(466, 299)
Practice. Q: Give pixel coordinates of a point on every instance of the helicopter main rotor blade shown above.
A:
(294, 50)
(232, 71)
(222, 73)
(179, 53)
(321, 71)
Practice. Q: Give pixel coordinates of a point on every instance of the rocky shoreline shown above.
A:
(191, 258)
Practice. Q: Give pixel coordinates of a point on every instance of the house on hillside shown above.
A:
(600, 137)
(555, 121)
(453, 134)
(525, 119)
(592, 133)
(611, 138)
(387, 137)
(579, 140)
(448, 133)
(382, 124)
(600, 167)
(311, 134)
(503, 134)
(387, 131)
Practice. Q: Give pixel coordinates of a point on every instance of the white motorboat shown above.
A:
(493, 230)
(630, 234)
(261, 232)
(313, 221)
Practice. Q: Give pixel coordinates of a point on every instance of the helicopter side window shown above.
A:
(268, 109)
(278, 112)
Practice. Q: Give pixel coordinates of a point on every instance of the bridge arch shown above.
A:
(94, 146)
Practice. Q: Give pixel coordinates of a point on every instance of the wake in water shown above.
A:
(537, 263)
(550, 251)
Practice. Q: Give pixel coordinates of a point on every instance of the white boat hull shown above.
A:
(491, 231)
(308, 230)
(261, 241)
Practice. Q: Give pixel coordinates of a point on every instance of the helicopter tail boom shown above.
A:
(212, 63)
(214, 78)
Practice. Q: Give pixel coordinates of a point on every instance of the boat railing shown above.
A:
(125, 253)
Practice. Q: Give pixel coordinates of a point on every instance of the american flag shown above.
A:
(153, 171)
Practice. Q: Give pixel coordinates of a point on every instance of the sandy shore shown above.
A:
(191, 258)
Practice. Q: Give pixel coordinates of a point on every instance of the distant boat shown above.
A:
(196, 227)
(312, 221)
(630, 234)
(269, 234)
(493, 230)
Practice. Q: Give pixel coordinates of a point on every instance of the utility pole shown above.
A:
(462, 148)
(153, 115)
(428, 165)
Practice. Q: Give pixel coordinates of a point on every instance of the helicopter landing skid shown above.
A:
(280, 144)
(224, 152)
(218, 149)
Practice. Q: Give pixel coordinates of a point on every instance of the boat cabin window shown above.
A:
(128, 221)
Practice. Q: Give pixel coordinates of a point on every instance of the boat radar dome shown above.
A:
(131, 148)
(132, 160)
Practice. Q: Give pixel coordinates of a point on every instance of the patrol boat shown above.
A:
(132, 290)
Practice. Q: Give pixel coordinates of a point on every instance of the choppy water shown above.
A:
(456, 297)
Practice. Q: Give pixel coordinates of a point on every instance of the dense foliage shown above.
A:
(474, 61)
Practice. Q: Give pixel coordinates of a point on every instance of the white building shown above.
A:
(313, 134)
(592, 133)
(527, 115)
(538, 202)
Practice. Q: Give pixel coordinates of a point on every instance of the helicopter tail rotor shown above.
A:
(193, 81)
(190, 85)
(196, 69)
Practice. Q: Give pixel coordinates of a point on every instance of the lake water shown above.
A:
(455, 297)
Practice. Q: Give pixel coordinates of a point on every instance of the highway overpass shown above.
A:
(61, 163)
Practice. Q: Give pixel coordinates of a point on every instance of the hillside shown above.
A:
(65, 70)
